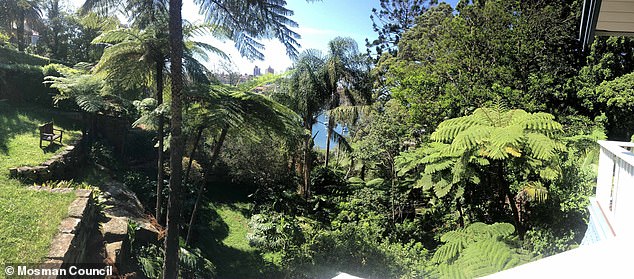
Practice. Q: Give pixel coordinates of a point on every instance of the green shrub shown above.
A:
(143, 187)
(103, 154)
(149, 260)
(57, 70)
(11, 56)
(545, 242)
(23, 83)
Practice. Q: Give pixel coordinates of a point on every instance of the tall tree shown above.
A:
(392, 19)
(170, 267)
(471, 56)
(306, 92)
(604, 85)
(246, 22)
(348, 82)
(137, 58)
(153, 49)
(22, 14)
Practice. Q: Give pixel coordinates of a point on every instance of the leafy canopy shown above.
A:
(488, 138)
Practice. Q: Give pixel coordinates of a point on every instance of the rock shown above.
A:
(123, 203)
(77, 207)
(69, 225)
(61, 190)
(146, 232)
(116, 229)
(115, 252)
(60, 245)
(83, 193)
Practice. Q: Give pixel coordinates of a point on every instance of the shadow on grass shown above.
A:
(219, 190)
(231, 262)
(21, 119)
(51, 148)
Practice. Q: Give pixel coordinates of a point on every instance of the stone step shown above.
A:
(115, 252)
(115, 230)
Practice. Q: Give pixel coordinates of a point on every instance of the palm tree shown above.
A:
(348, 83)
(150, 47)
(141, 13)
(21, 13)
(129, 59)
(306, 92)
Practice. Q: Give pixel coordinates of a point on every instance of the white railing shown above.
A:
(615, 186)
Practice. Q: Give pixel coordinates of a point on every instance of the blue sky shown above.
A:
(319, 22)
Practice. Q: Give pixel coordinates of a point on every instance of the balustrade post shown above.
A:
(605, 177)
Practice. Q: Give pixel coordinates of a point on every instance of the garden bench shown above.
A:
(47, 133)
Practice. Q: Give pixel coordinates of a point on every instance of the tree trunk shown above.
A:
(307, 163)
(337, 155)
(191, 155)
(516, 216)
(350, 168)
(20, 31)
(214, 157)
(363, 170)
(291, 167)
(505, 192)
(170, 266)
(460, 212)
(160, 160)
(53, 15)
(328, 136)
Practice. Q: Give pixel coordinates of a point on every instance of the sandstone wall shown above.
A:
(61, 166)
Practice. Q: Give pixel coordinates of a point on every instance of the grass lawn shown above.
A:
(28, 219)
(19, 143)
(224, 242)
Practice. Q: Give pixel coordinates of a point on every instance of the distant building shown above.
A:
(35, 37)
(270, 70)
(256, 71)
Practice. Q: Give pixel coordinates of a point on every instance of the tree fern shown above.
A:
(477, 250)
(490, 141)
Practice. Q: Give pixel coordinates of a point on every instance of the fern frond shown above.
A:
(449, 129)
(541, 146)
(471, 137)
(442, 188)
(477, 250)
(533, 191)
(438, 166)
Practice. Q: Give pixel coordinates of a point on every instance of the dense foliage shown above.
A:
(468, 147)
